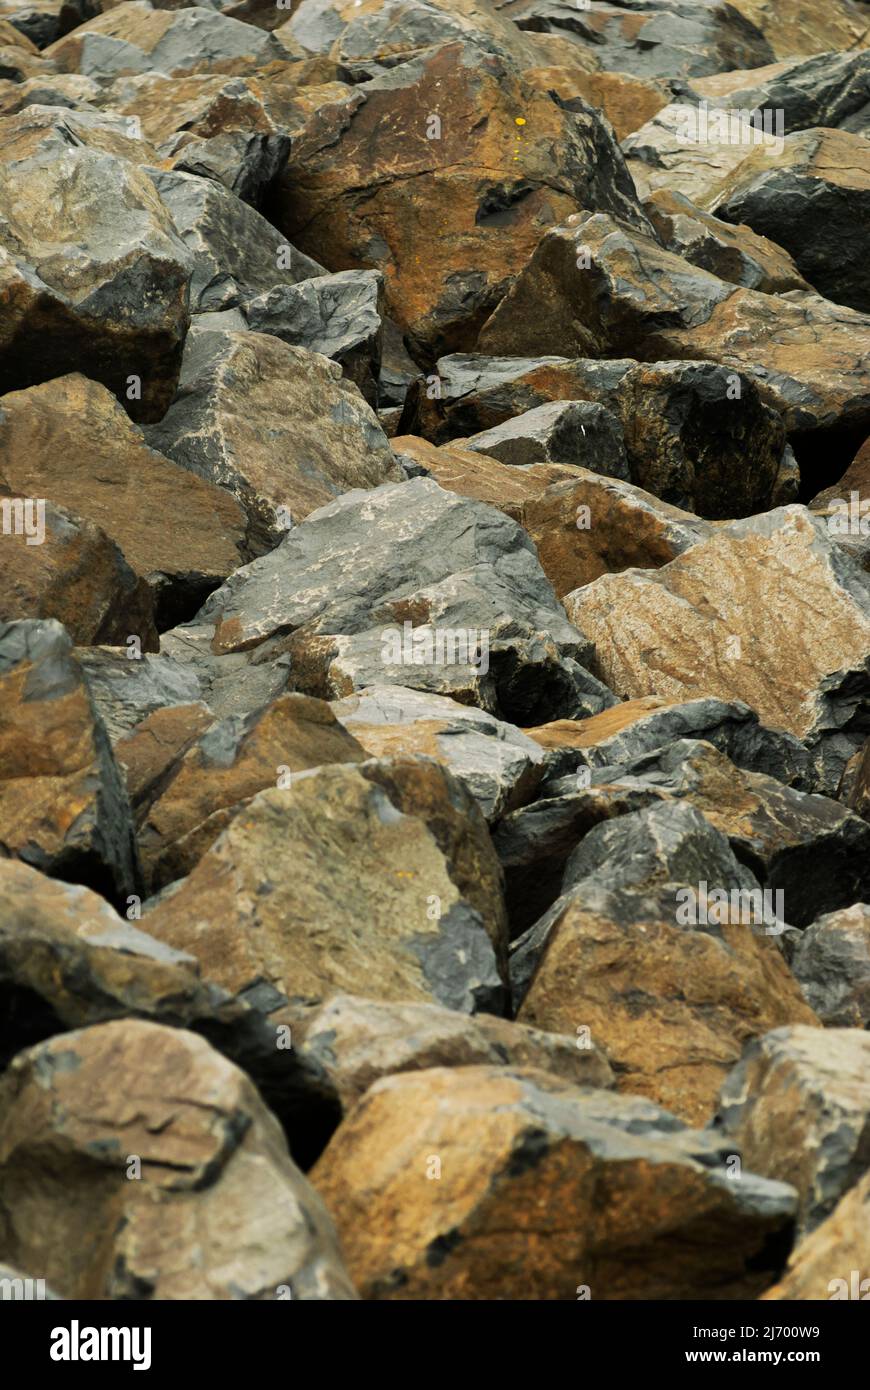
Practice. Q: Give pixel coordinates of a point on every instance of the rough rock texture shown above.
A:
(833, 1261)
(814, 199)
(363, 896)
(798, 1104)
(219, 1212)
(736, 254)
(831, 961)
(357, 1041)
(63, 806)
(509, 1183)
(276, 426)
(65, 567)
(736, 616)
(800, 26)
(68, 440)
(579, 433)
(693, 149)
(488, 190)
(92, 271)
(671, 1002)
(830, 89)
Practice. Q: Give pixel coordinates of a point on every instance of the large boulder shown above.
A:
(830, 89)
(499, 1182)
(412, 585)
(736, 617)
(803, 27)
(69, 440)
(137, 1162)
(691, 148)
(832, 963)
(447, 210)
(92, 271)
(798, 1107)
(274, 425)
(641, 951)
(63, 805)
(381, 880)
(813, 199)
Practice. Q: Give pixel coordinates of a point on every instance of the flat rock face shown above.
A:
(581, 434)
(91, 267)
(813, 198)
(736, 254)
(716, 628)
(693, 148)
(799, 26)
(829, 89)
(275, 426)
(63, 807)
(357, 1041)
(70, 441)
(524, 163)
(797, 1104)
(492, 1141)
(219, 1210)
(361, 894)
(629, 953)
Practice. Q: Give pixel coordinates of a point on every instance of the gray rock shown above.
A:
(235, 683)
(581, 433)
(124, 691)
(422, 582)
(236, 253)
(798, 1105)
(336, 315)
(831, 960)
(828, 89)
(275, 425)
(497, 763)
(246, 162)
(735, 254)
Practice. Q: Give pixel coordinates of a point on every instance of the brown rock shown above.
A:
(152, 747)
(63, 807)
(627, 102)
(387, 196)
(357, 1041)
(359, 892)
(800, 27)
(75, 574)
(224, 768)
(476, 475)
(70, 441)
(834, 1261)
(671, 1006)
(508, 1183)
(219, 1210)
(798, 1105)
(736, 616)
(586, 733)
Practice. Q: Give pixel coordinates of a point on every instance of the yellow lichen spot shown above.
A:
(519, 120)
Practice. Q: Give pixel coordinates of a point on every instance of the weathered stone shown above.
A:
(671, 1003)
(63, 807)
(627, 102)
(580, 433)
(386, 196)
(457, 468)
(542, 1186)
(469, 393)
(69, 569)
(233, 683)
(807, 848)
(800, 26)
(659, 38)
(220, 1211)
(412, 585)
(497, 763)
(237, 255)
(275, 425)
(357, 1041)
(736, 617)
(831, 961)
(70, 441)
(808, 356)
(830, 89)
(735, 254)
(153, 746)
(692, 148)
(798, 1105)
(834, 1261)
(227, 765)
(362, 897)
(92, 271)
(814, 199)
(339, 316)
(133, 37)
